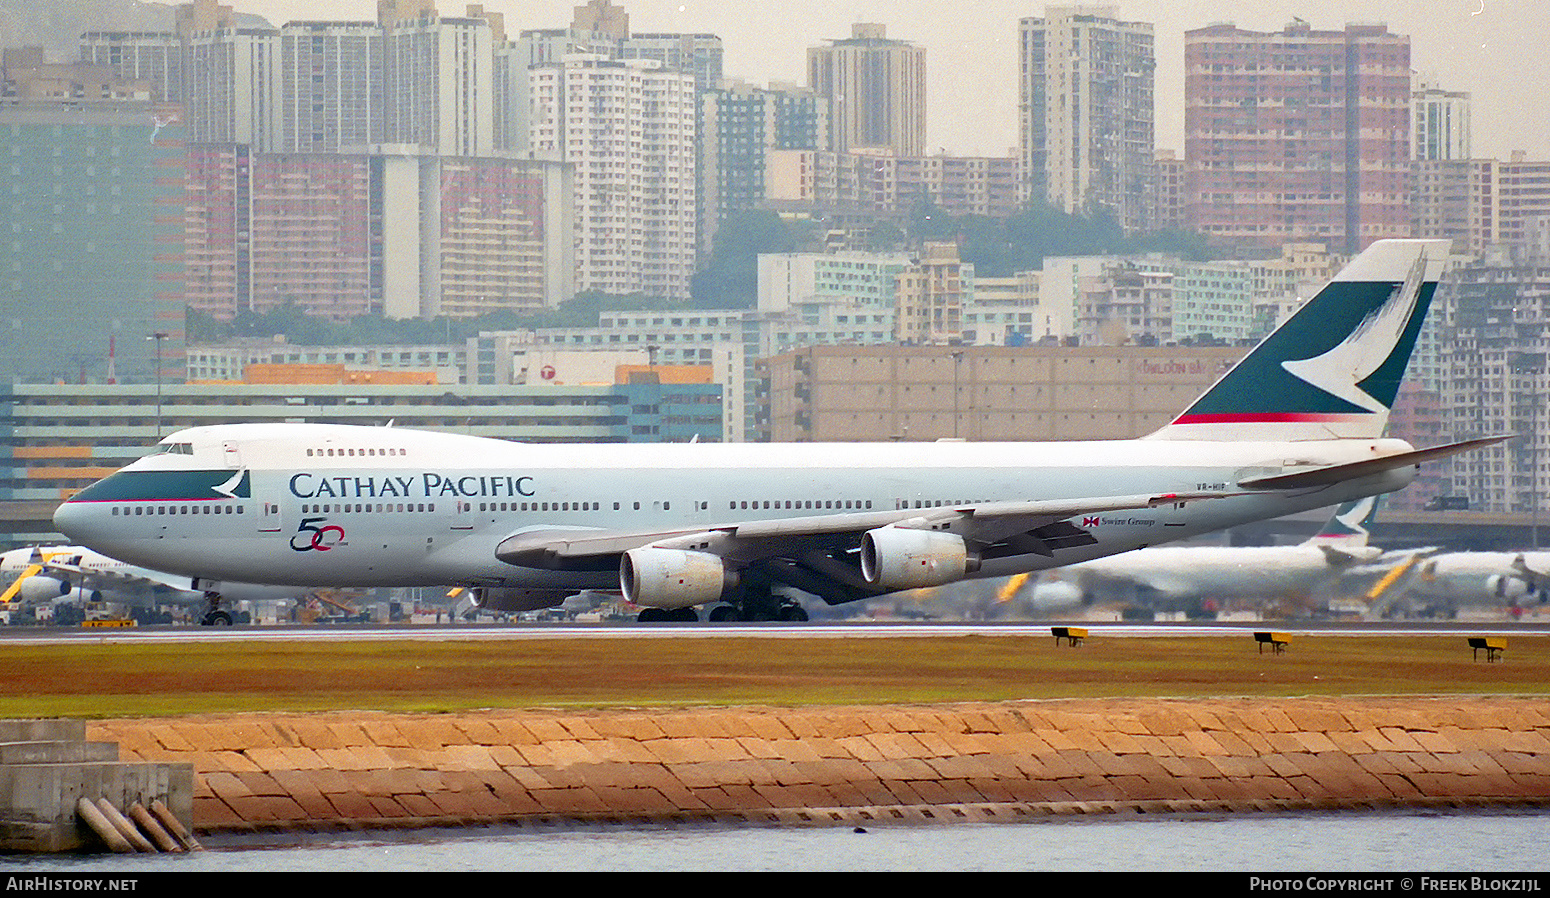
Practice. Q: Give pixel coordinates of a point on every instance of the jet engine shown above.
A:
(900, 558)
(80, 595)
(512, 600)
(42, 589)
(1508, 588)
(672, 578)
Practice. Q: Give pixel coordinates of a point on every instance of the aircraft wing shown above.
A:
(817, 553)
(108, 579)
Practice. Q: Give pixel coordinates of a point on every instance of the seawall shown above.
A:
(849, 765)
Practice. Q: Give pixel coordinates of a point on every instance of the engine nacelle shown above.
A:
(672, 578)
(42, 589)
(512, 599)
(1056, 595)
(82, 595)
(900, 558)
(1508, 588)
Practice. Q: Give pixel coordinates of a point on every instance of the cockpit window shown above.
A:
(176, 449)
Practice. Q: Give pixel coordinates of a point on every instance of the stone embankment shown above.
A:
(850, 765)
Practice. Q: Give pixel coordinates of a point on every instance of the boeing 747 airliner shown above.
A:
(1296, 425)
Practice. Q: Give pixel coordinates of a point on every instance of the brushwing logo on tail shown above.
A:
(1341, 371)
(1351, 519)
(1341, 357)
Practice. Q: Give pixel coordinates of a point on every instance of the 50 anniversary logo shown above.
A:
(313, 538)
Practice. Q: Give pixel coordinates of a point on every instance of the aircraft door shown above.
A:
(463, 515)
(269, 517)
(231, 454)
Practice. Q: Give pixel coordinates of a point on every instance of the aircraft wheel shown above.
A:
(684, 616)
(794, 613)
(217, 619)
(651, 616)
(723, 614)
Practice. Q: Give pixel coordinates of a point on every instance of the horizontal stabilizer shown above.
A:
(1341, 473)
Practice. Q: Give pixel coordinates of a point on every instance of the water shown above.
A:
(1506, 842)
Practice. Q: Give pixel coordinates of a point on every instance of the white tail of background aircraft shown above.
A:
(1294, 426)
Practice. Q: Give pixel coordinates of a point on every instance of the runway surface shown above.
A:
(379, 633)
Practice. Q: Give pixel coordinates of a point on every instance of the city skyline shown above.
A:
(1457, 44)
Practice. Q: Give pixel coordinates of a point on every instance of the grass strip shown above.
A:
(124, 679)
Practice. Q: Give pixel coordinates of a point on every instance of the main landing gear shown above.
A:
(752, 601)
(215, 615)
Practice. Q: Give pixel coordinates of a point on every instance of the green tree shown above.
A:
(730, 277)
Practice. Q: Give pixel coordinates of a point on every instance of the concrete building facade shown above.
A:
(628, 131)
(1297, 135)
(880, 393)
(1496, 340)
(1439, 120)
(876, 89)
(1088, 131)
(740, 126)
(392, 233)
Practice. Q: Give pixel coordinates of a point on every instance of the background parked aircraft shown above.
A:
(58, 575)
(1451, 582)
(1204, 579)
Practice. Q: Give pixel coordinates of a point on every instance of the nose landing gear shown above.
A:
(215, 615)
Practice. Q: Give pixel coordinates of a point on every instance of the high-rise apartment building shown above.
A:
(876, 89)
(331, 86)
(438, 80)
(740, 126)
(1297, 135)
(1088, 134)
(411, 78)
(874, 183)
(1440, 123)
(1168, 209)
(1481, 203)
(930, 297)
(342, 235)
(699, 55)
(154, 59)
(598, 28)
(628, 129)
(232, 86)
(1496, 321)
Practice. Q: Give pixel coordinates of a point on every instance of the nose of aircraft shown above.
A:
(74, 520)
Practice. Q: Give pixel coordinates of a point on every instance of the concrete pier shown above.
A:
(47, 767)
(850, 765)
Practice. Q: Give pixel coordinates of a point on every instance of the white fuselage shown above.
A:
(355, 506)
(1480, 579)
(1179, 571)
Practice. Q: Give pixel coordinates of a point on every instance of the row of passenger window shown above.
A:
(544, 506)
(734, 505)
(368, 451)
(177, 509)
(815, 504)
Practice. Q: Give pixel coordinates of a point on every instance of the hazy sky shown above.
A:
(1498, 50)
